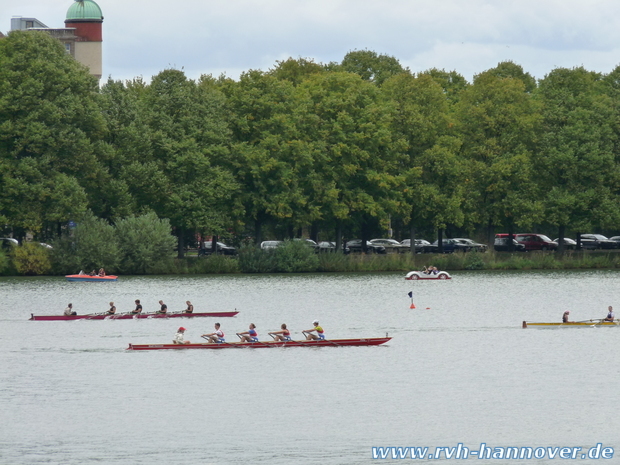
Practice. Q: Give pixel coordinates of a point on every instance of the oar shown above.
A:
(325, 340)
(254, 342)
(227, 343)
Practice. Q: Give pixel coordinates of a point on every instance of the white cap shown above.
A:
(315, 322)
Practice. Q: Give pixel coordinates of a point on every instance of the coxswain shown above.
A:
(69, 310)
(112, 310)
(138, 307)
(216, 336)
(565, 317)
(190, 307)
(164, 307)
(101, 272)
(283, 335)
(179, 337)
(610, 315)
(320, 334)
(250, 335)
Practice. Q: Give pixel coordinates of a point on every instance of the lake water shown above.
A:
(459, 369)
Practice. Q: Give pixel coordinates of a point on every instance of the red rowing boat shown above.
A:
(129, 316)
(372, 341)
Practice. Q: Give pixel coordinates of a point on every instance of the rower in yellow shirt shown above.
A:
(320, 334)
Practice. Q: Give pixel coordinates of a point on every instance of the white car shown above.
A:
(415, 275)
(268, 245)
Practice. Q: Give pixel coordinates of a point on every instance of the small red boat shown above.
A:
(373, 341)
(87, 277)
(129, 316)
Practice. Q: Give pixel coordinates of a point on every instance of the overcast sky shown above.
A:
(144, 37)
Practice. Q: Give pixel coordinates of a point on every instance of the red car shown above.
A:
(536, 242)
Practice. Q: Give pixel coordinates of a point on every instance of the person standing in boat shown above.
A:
(179, 337)
(320, 334)
(112, 310)
(565, 317)
(217, 336)
(283, 335)
(138, 307)
(69, 310)
(163, 308)
(190, 307)
(610, 315)
(250, 335)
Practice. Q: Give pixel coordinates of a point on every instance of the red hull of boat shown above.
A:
(125, 316)
(373, 341)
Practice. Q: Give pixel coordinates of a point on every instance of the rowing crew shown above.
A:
(251, 335)
(610, 315)
(163, 309)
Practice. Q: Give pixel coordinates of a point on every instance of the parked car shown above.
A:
(8, 242)
(449, 246)
(569, 244)
(501, 244)
(421, 246)
(328, 246)
(391, 245)
(615, 239)
(309, 243)
(207, 249)
(270, 245)
(467, 245)
(597, 241)
(536, 242)
(355, 245)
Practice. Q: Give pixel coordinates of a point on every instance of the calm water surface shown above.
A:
(459, 369)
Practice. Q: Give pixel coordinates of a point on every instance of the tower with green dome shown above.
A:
(85, 17)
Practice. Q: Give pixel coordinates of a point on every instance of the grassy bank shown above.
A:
(295, 258)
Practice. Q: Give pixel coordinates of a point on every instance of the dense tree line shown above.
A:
(332, 150)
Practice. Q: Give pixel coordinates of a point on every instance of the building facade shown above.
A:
(82, 35)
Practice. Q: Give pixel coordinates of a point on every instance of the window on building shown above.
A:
(29, 24)
(68, 47)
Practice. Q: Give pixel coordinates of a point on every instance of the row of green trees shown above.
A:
(339, 150)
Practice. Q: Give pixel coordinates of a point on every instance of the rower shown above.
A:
(217, 336)
(112, 310)
(565, 317)
(164, 307)
(179, 337)
(283, 335)
(250, 335)
(69, 310)
(190, 307)
(138, 308)
(320, 334)
(610, 315)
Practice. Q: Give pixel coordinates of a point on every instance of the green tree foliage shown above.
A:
(93, 244)
(433, 171)
(498, 121)
(357, 158)
(267, 155)
(371, 66)
(296, 71)
(146, 244)
(578, 165)
(49, 128)
(31, 258)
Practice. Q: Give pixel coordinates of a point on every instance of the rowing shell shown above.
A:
(374, 341)
(129, 316)
(574, 323)
(85, 277)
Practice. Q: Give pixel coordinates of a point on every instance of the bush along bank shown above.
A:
(296, 257)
